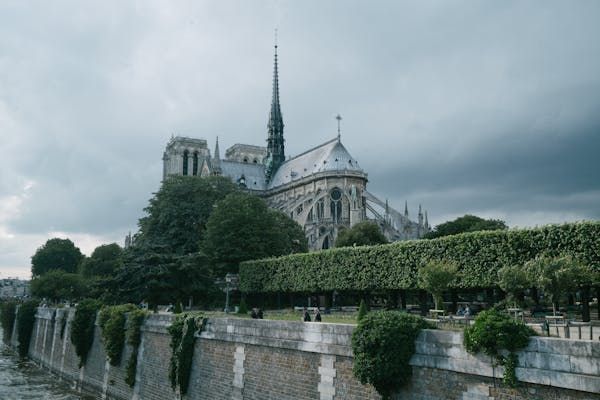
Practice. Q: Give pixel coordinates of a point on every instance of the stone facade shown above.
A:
(260, 359)
(323, 189)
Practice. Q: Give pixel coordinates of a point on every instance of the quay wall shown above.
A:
(263, 359)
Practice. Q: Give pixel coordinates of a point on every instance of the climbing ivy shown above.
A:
(183, 330)
(82, 328)
(135, 319)
(7, 318)
(478, 255)
(383, 343)
(25, 321)
(493, 333)
(112, 323)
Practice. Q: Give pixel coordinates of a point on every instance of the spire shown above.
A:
(420, 215)
(339, 119)
(216, 161)
(426, 221)
(275, 141)
(406, 208)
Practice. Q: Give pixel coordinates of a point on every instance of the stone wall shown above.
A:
(259, 359)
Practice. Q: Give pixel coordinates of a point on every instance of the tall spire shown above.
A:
(275, 141)
(406, 208)
(216, 161)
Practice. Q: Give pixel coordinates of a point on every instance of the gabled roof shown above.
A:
(329, 156)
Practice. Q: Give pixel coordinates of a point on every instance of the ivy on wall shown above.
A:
(383, 343)
(135, 319)
(112, 323)
(25, 321)
(478, 255)
(494, 332)
(183, 330)
(7, 318)
(82, 328)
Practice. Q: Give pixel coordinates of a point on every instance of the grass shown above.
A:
(289, 315)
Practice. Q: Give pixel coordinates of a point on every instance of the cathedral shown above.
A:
(324, 189)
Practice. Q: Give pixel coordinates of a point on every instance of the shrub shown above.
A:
(478, 255)
(182, 332)
(494, 332)
(25, 321)
(383, 344)
(243, 307)
(135, 319)
(112, 323)
(362, 310)
(82, 328)
(7, 318)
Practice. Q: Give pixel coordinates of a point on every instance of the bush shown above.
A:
(383, 344)
(7, 318)
(362, 310)
(112, 322)
(182, 332)
(82, 328)
(243, 310)
(25, 322)
(135, 319)
(478, 255)
(494, 332)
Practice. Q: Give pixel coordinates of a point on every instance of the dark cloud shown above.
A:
(487, 108)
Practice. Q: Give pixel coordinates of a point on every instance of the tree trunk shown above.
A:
(403, 299)
(585, 304)
(454, 300)
(423, 299)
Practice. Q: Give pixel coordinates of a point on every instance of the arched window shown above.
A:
(336, 205)
(186, 155)
(245, 159)
(195, 167)
(320, 210)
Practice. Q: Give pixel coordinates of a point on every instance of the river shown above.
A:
(23, 380)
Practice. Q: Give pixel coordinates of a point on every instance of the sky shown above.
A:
(479, 107)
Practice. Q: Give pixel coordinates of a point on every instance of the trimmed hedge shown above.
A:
(478, 255)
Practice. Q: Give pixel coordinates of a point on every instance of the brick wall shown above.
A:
(257, 359)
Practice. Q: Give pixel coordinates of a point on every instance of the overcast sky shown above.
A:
(483, 107)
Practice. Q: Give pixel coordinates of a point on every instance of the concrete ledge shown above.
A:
(157, 323)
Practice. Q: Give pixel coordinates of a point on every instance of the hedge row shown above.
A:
(479, 256)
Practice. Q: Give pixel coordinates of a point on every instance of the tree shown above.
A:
(466, 223)
(513, 280)
(179, 211)
(435, 277)
(56, 254)
(557, 275)
(58, 285)
(104, 261)
(243, 228)
(364, 233)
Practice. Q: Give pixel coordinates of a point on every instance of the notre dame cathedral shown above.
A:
(323, 189)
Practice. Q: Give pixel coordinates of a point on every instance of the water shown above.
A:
(23, 380)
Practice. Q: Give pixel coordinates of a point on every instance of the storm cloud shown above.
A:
(488, 108)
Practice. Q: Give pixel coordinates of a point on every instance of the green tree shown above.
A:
(513, 279)
(466, 223)
(58, 285)
(56, 254)
(104, 261)
(556, 276)
(243, 228)
(362, 234)
(178, 213)
(435, 277)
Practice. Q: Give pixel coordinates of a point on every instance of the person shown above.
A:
(317, 315)
(467, 311)
(170, 307)
(254, 314)
(306, 315)
(461, 311)
(259, 314)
